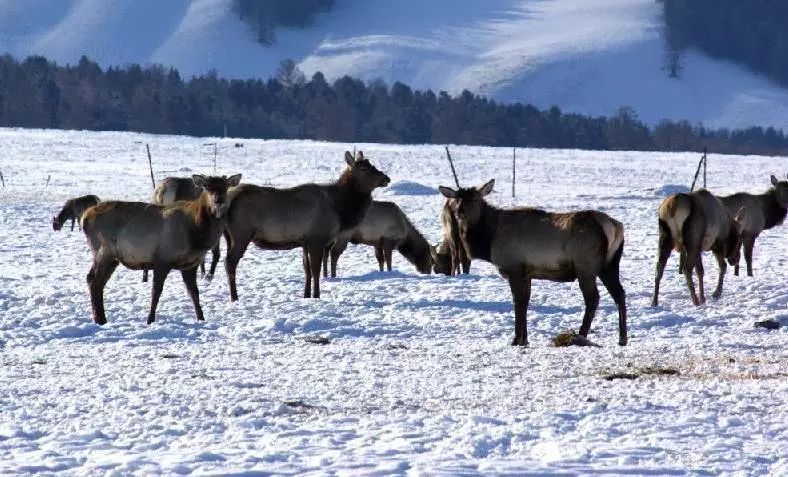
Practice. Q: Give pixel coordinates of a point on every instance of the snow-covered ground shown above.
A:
(418, 376)
(586, 57)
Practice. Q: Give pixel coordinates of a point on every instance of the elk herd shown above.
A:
(188, 216)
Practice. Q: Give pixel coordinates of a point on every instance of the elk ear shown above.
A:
(448, 192)
(774, 181)
(349, 158)
(199, 180)
(487, 188)
(233, 181)
(360, 156)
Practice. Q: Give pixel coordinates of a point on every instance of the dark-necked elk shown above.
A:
(73, 210)
(763, 211)
(450, 256)
(173, 189)
(692, 223)
(526, 244)
(386, 228)
(310, 216)
(155, 237)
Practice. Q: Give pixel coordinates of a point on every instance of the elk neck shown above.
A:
(351, 201)
(207, 228)
(478, 237)
(773, 213)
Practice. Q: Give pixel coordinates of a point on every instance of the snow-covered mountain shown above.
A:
(587, 57)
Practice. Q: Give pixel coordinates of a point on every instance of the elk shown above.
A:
(527, 243)
(310, 216)
(764, 211)
(386, 228)
(173, 189)
(450, 255)
(692, 223)
(155, 237)
(73, 209)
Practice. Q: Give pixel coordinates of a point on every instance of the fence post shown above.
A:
(514, 167)
(150, 166)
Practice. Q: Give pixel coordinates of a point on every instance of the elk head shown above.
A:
(366, 176)
(215, 191)
(735, 238)
(56, 223)
(781, 191)
(441, 261)
(467, 203)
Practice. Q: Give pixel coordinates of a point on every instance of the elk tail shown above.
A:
(614, 233)
(674, 211)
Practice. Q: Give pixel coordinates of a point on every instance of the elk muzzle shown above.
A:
(56, 224)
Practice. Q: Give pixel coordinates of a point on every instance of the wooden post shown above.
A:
(150, 166)
(702, 162)
(2, 179)
(46, 184)
(514, 168)
(214, 156)
(451, 163)
(705, 164)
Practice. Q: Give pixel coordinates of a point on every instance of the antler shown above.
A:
(451, 163)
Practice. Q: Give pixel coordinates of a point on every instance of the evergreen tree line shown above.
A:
(750, 32)
(264, 16)
(36, 93)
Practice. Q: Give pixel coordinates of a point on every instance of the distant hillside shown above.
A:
(753, 33)
(589, 57)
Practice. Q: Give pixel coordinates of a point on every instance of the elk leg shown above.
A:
(682, 261)
(722, 267)
(749, 244)
(335, 253)
(465, 261)
(307, 273)
(145, 276)
(521, 295)
(72, 224)
(388, 250)
(190, 280)
(235, 251)
(379, 256)
(591, 298)
(98, 276)
(699, 270)
(202, 268)
(159, 275)
(664, 250)
(610, 278)
(326, 256)
(215, 254)
(315, 261)
(688, 268)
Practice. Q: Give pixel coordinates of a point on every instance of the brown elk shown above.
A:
(156, 237)
(73, 210)
(764, 211)
(450, 256)
(310, 216)
(526, 244)
(173, 189)
(692, 223)
(386, 228)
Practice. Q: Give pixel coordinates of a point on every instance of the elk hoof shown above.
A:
(100, 322)
(208, 277)
(151, 319)
(516, 342)
(623, 341)
(716, 295)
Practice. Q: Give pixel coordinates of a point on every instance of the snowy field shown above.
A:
(418, 376)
